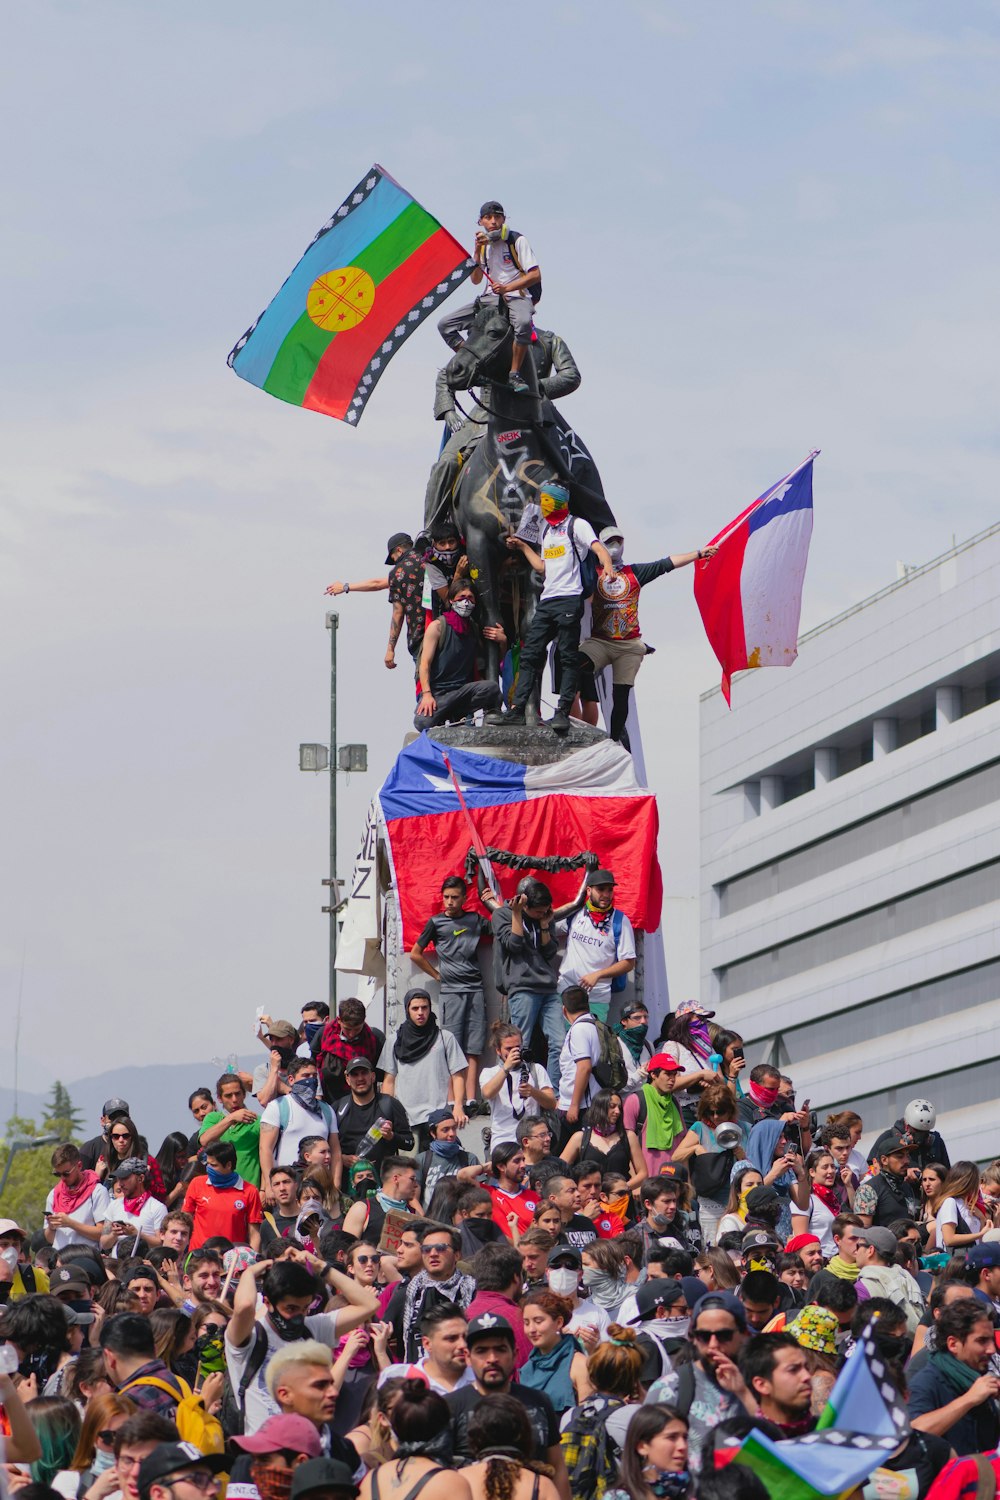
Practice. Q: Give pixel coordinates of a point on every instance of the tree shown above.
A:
(30, 1176)
(61, 1117)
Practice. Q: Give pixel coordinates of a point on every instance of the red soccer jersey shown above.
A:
(222, 1211)
(523, 1205)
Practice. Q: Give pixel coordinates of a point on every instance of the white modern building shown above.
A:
(850, 854)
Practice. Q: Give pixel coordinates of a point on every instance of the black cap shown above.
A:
(601, 877)
(565, 1252)
(436, 1116)
(489, 1325)
(894, 1143)
(359, 1062)
(322, 1474)
(491, 206)
(170, 1458)
(68, 1281)
(661, 1291)
(115, 1106)
(398, 539)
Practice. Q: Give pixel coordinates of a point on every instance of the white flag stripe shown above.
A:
(774, 567)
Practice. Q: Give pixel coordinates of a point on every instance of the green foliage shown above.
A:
(30, 1179)
(61, 1117)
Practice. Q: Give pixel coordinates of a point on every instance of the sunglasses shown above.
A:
(107, 1437)
(434, 1249)
(367, 1260)
(723, 1336)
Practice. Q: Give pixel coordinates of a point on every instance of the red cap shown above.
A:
(665, 1061)
(285, 1430)
(799, 1242)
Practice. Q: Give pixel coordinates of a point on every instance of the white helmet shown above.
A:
(920, 1114)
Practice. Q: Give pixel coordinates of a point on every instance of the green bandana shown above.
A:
(663, 1119)
(842, 1269)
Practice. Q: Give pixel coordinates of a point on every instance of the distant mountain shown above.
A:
(157, 1094)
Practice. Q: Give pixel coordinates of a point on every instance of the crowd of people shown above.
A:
(321, 1289)
(318, 1288)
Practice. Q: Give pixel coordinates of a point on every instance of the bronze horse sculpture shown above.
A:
(526, 445)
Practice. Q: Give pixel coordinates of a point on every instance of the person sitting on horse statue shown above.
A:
(505, 259)
(560, 609)
(452, 649)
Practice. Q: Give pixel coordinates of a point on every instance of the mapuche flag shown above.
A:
(369, 278)
(750, 593)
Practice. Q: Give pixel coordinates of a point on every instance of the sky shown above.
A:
(763, 227)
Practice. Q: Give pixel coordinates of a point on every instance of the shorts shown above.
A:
(623, 657)
(463, 1013)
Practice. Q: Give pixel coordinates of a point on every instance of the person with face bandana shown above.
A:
(564, 541)
(221, 1203)
(600, 945)
(287, 1121)
(615, 639)
(424, 1066)
(451, 653)
(271, 1078)
(662, 1318)
(269, 1457)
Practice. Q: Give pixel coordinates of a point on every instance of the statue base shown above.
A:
(532, 745)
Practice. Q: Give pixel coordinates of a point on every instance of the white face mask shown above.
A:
(563, 1281)
(616, 551)
(463, 608)
(673, 1328)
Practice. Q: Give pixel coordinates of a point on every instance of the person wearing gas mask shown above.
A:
(615, 639)
(451, 653)
(288, 1120)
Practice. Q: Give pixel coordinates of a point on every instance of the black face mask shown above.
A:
(893, 1346)
(290, 1329)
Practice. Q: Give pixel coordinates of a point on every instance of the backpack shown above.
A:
(194, 1424)
(588, 572)
(510, 238)
(284, 1113)
(234, 1402)
(591, 1453)
(609, 1070)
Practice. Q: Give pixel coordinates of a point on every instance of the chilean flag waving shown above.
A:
(750, 592)
(589, 800)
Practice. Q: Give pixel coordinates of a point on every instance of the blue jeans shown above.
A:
(529, 1006)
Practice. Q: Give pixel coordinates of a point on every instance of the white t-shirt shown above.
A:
(820, 1220)
(589, 1312)
(507, 1107)
(689, 1064)
(589, 948)
(151, 1215)
(500, 262)
(423, 1085)
(301, 1124)
(636, 1073)
(948, 1214)
(581, 1042)
(563, 579)
(93, 1210)
(259, 1403)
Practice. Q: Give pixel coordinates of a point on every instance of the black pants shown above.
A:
(459, 702)
(558, 620)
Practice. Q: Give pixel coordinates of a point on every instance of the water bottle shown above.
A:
(370, 1141)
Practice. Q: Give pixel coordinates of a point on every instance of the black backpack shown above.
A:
(233, 1414)
(588, 565)
(510, 238)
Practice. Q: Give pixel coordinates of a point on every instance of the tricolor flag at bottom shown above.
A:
(750, 593)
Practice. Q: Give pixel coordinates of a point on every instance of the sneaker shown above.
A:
(559, 722)
(518, 384)
(514, 716)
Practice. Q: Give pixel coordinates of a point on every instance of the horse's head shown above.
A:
(485, 355)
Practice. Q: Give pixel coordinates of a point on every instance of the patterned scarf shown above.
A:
(828, 1197)
(458, 625)
(599, 917)
(337, 1044)
(458, 1288)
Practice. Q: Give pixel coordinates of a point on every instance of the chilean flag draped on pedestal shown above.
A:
(750, 593)
(589, 800)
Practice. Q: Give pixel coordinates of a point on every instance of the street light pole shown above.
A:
(332, 621)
